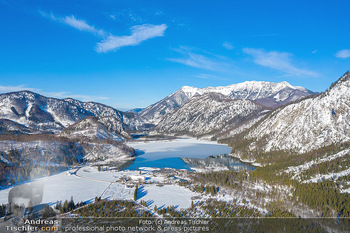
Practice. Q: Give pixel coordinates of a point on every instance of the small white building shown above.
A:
(137, 178)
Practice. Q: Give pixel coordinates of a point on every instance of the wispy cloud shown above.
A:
(82, 25)
(207, 62)
(315, 51)
(112, 42)
(5, 89)
(227, 45)
(138, 34)
(74, 22)
(277, 60)
(85, 98)
(345, 53)
(126, 15)
(209, 77)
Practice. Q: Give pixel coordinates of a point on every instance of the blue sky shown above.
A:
(133, 53)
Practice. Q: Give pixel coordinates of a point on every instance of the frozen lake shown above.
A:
(167, 154)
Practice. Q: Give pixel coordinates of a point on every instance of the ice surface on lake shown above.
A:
(184, 147)
(166, 153)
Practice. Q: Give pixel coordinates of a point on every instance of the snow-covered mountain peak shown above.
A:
(270, 94)
(262, 89)
(189, 88)
(29, 95)
(284, 84)
(70, 100)
(288, 85)
(255, 84)
(190, 91)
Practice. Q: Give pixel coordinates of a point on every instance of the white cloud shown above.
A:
(81, 25)
(213, 63)
(61, 95)
(315, 51)
(139, 33)
(111, 42)
(345, 53)
(227, 45)
(197, 61)
(74, 22)
(277, 60)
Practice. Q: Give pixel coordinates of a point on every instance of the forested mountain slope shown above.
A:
(209, 113)
(307, 125)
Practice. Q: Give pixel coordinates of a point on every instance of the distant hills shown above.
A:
(29, 112)
(26, 112)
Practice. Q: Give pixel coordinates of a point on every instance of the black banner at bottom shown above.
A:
(221, 225)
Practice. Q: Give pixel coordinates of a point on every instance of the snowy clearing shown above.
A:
(296, 170)
(332, 175)
(168, 195)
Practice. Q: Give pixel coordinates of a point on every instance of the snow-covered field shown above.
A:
(62, 187)
(167, 195)
(90, 183)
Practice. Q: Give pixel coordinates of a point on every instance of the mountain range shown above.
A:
(29, 112)
(269, 94)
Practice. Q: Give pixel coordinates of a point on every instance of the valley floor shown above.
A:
(200, 194)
